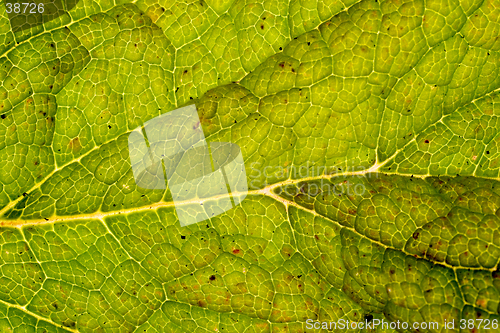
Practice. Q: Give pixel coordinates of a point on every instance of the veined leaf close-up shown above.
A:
(368, 132)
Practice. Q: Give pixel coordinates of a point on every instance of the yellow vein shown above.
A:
(101, 215)
(40, 318)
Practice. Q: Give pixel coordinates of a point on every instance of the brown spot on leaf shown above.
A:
(74, 145)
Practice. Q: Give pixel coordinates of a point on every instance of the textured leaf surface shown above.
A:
(371, 137)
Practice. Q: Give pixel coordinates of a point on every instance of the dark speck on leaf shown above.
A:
(212, 277)
(183, 237)
(3, 116)
(308, 43)
(426, 141)
(368, 317)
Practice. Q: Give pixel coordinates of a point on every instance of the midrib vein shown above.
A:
(101, 215)
(267, 191)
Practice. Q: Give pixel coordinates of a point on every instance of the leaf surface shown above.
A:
(370, 136)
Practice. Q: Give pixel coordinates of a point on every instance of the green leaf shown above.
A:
(371, 139)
